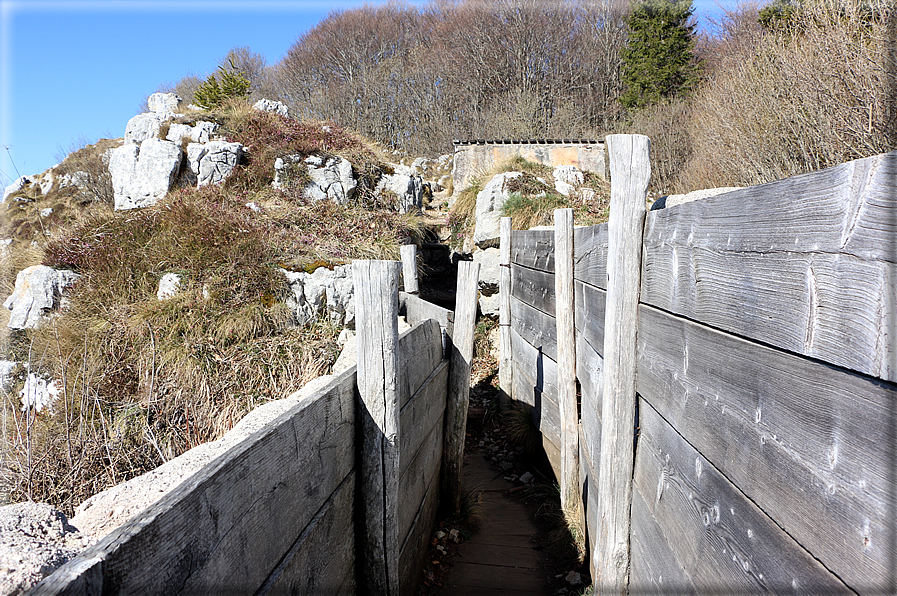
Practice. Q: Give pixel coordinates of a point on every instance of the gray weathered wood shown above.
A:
(459, 381)
(806, 264)
(588, 478)
(415, 309)
(545, 407)
(420, 352)
(420, 472)
(533, 249)
(589, 314)
(422, 411)
(536, 327)
(505, 382)
(535, 288)
(540, 370)
(376, 324)
(655, 568)
(215, 532)
(409, 268)
(722, 540)
(416, 546)
(630, 172)
(810, 444)
(567, 402)
(590, 255)
(589, 368)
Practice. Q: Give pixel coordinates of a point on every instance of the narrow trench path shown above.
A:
(501, 556)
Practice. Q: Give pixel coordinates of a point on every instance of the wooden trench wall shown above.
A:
(298, 507)
(760, 450)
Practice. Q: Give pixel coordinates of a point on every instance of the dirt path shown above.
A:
(500, 557)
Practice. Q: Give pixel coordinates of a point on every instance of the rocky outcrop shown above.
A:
(331, 292)
(266, 105)
(35, 539)
(201, 132)
(490, 201)
(490, 274)
(169, 285)
(18, 184)
(38, 291)
(142, 174)
(408, 189)
(214, 161)
(164, 104)
(567, 179)
(331, 177)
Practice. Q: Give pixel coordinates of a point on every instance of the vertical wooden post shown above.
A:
(566, 353)
(409, 268)
(505, 372)
(459, 382)
(630, 172)
(377, 333)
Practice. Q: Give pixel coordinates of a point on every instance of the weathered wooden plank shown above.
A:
(723, 542)
(536, 327)
(505, 382)
(408, 253)
(533, 249)
(419, 353)
(414, 550)
(380, 388)
(216, 529)
(566, 363)
(535, 288)
(415, 309)
(421, 412)
(630, 173)
(589, 314)
(589, 366)
(524, 390)
(459, 383)
(590, 255)
(588, 479)
(655, 569)
(540, 370)
(806, 264)
(553, 454)
(546, 412)
(812, 445)
(323, 556)
(417, 475)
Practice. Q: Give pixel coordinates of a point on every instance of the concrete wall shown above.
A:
(478, 157)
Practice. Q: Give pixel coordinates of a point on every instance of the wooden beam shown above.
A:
(569, 412)
(459, 381)
(505, 381)
(409, 268)
(376, 324)
(630, 172)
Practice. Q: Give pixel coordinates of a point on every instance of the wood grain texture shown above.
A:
(415, 309)
(630, 173)
(588, 477)
(589, 314)
(533, 249)
(408, 253)
(655, 568)
(419, 352)
(414, 551)
(421, 412)
(535, 288)
(541, 371)
(505, 381)
(806, 264)
(419, 473)
(459, 382)
(381, 393)
(215, 532)
(536, 327)
(812, 445)
(566, 362)
(590, 255)
(323, 557)
(546, 414)
(722, 541)
(589, 367)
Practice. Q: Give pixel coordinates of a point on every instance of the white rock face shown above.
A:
(38, 290)
(201, 132)
(163, 104)
(331, 179)
(142, 127)
(168, 286)
(7, 371)
(408, 188)
(213, 162)
(141, 175)
(320, 290)
(490, 274)
(569, 174)
(266, 105)
(490, 201)
(38, 393)
(18, 184)
(695, 195)
(35, 540)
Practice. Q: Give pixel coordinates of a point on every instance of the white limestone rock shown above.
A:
(39, 393)
(695, 195)
(408, 189)
(489, 260)
(490, 201)
(18, 184)
(7, 373)
(214, 161)
(569, 174)
(169, 285)
(201, 132)
(38, 291)
(141, 175)
(267, 105)
(142, 127)
(323, 292)
(35, 540)
(164, 104)
(331, 177)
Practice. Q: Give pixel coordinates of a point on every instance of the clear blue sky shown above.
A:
(81, 68)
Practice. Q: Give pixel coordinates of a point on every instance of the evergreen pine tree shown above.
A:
(212, 94)
(658, 60)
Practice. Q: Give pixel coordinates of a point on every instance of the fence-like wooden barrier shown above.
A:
(337, 494)
(737, 364)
